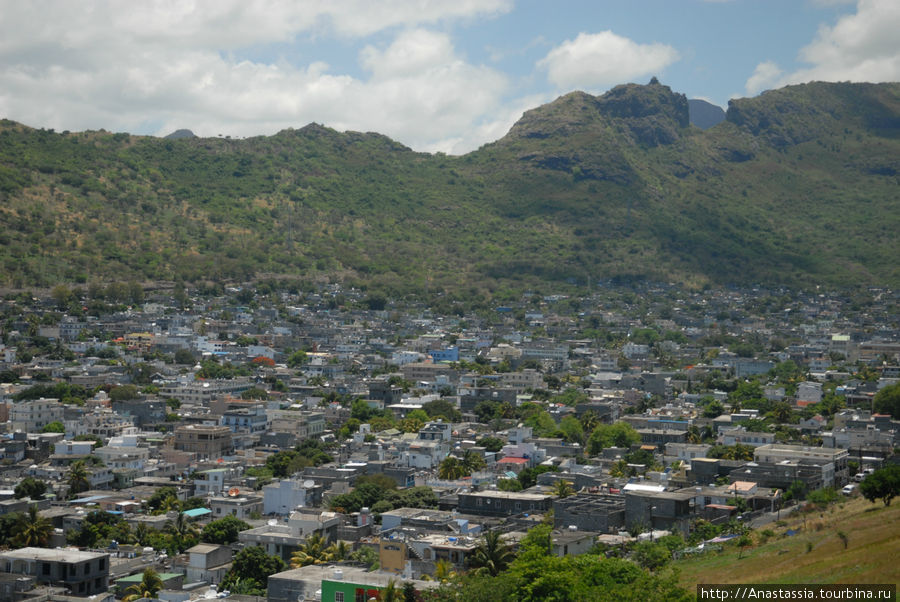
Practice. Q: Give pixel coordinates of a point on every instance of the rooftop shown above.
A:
(55, 555)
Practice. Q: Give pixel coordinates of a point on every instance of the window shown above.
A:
(360, 595)
(45, 568)
(338, 596)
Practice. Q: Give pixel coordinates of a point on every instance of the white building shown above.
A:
(284, 496)
(32, 416)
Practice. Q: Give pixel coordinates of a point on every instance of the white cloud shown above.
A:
(862, 47)
(158, 66)
(599, 60)
(764, 77)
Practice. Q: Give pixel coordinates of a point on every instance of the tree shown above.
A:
(54, 427)
(572, 430)
(184, 532)
(62, 295)
(296, 359)
(148, 587)
(123, 393)
(443, 570)
(78, 479)
(887, 401)
(713, 409)
(31, 488)
(563, 488)
(492, 555)
(184, 357)
(451, 469)
(618, 434)
(313, 551)
(223, 531)
(744, 542)
(652, 555)
(33, 530)
(492, 444)
(472, 462)
(254, 564)
(884, 483)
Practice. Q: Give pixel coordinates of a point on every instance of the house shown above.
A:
(242, 506)
(207, 563)
(206, 441)
(282, 540)
(834, 461)
(83, 573)
(740, 435)
(330, 583)
(600, 513)
(284, 496)
(503, 503)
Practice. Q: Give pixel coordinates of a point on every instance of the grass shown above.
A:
(815, 554)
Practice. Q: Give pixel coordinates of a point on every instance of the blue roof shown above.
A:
(195, 512)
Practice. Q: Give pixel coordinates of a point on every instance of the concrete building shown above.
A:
(206, 441)
(240, 506)
(32, 416)
(285, 496)
(83, 573)
(600, 513)
(820, 456)
(503, 503)
(207, 563)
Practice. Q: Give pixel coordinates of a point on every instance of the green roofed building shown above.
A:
(330, 583)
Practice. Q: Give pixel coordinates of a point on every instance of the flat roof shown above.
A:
(138, 577)
(54, 555)
(195, 512)
(509, 495)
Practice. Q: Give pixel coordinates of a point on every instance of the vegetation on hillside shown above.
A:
(796, 187)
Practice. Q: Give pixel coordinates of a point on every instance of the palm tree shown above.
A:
(451, 469)
(339, 550)
(142, 533)
(391, 593)
(693, 434)
(32, 529)
(148, 587)
(472, 462)
(183, 531)
(563, 488)
(314, 551)
(78, 478)
(589, 422)
(443, 570)
(492, 555)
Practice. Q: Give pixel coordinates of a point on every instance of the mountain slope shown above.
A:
(797, 186)
(704, 114)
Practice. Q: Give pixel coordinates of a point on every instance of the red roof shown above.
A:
(513, 461)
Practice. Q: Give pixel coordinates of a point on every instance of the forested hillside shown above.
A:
(798, 186)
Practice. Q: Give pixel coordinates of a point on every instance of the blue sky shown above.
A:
(437, 75)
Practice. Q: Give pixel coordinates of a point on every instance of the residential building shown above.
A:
(33, 415)
(206, 441)
(83, 573)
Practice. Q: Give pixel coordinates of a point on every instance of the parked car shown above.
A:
(848, 489)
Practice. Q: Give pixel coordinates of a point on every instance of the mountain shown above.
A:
(705, 114)
(179, 134)
(796, 187)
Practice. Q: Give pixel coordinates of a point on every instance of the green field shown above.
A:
(871, 556)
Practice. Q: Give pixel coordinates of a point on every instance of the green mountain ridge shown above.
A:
(798, 186)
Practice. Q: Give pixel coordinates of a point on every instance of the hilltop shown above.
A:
(797, 187)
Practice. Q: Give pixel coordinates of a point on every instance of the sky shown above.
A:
(436, 75)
